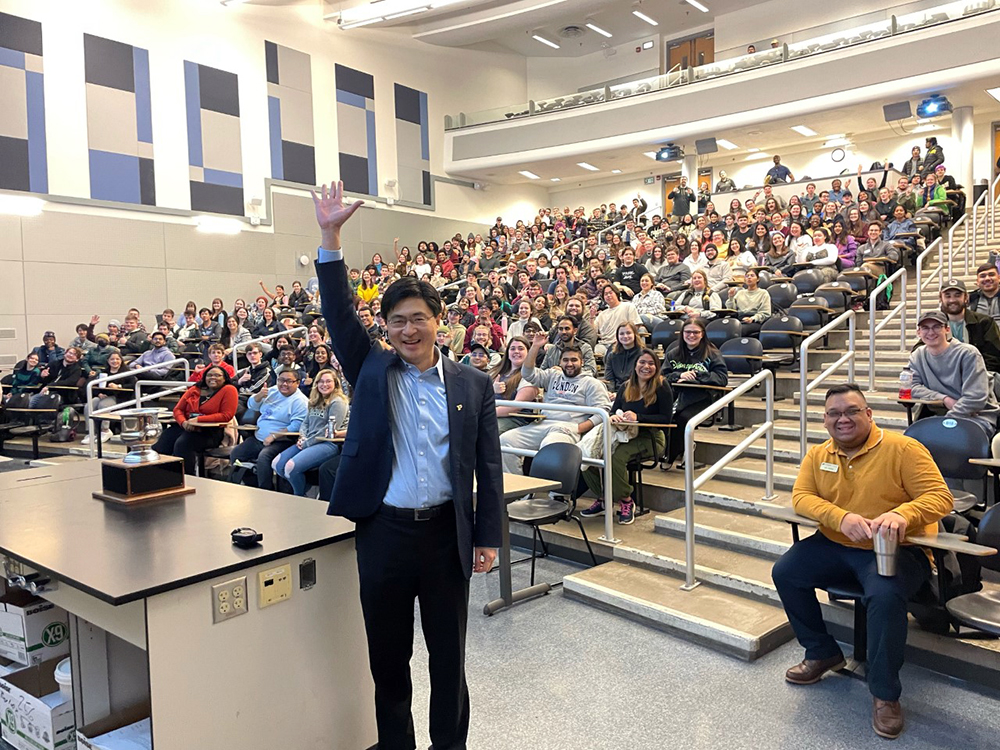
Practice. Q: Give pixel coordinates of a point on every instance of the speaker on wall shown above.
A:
(706, 146)
(897, 111)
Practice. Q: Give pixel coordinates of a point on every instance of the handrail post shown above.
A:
(804, 386)
(769, 438)
(902, 312)
(103, 379)
(609, 502)
(803, 413)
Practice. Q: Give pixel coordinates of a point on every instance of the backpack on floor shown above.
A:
(883, 298)
(65, 427)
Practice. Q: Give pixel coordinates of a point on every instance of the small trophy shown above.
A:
(143, 475)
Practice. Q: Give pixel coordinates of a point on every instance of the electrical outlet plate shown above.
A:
(229, 599)
(274, 585)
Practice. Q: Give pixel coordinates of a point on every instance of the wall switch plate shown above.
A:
(274, 585)
(229, 599)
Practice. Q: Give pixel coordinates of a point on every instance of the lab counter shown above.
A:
(143, 585)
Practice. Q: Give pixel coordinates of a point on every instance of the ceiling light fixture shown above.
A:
(554, 179)
(21, 205)
(728, 145)
(363, 22)
(752, 150)
(995, 93)
(410, 12)
(529, 175)
(697, 5)
(598, 29)
(545, 41)
(232, 2)
(804, 130)
(650, 154)
(616, 171)
(639, 14)
(591, 167)
(758, 155)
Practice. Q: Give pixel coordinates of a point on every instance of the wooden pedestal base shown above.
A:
(131, 484)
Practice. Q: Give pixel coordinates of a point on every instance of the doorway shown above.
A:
(691, 52)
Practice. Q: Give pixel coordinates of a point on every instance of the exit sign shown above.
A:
(649, 180)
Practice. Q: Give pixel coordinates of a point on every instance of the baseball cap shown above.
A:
(956, 284)
(49, 334)
(937, 315)
(479, 346)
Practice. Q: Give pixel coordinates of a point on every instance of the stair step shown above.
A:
(730, 529)
(738, 625)
(666, 554)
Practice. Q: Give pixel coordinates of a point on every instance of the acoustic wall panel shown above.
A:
(23, 160)
(119, 121)
(413, 145)
(214, 148)
(289, 105)
(356, 126)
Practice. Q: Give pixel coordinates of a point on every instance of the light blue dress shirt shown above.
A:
(418, 415)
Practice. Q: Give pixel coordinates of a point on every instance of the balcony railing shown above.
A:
(893, 26)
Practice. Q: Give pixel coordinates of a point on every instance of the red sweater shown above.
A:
(220, 408)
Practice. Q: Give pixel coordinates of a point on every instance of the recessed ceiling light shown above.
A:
(616, 171)
(752, 150)
(698, 5)
(804, 130)
(995, 93)
(728, 145)
(639, 14)
(758, 155)
(598, 29)
(554, 179)
(650, 154)
(591, 167)
(545, 41)
(529, 175)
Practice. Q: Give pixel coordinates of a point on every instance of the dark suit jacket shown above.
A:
(366, 458)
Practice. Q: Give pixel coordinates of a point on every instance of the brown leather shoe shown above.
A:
(810, 671)
(887, 718)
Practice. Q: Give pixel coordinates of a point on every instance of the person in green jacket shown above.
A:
(27, 376)
(932, 194)
(96, 359)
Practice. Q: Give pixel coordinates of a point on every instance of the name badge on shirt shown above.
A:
(834, 468)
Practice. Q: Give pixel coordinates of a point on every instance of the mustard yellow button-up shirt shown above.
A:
(891, 472)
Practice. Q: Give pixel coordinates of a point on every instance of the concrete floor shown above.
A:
(554, 673)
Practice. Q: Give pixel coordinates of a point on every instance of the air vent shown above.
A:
(8, 333)
(8, 360)
(572, 32)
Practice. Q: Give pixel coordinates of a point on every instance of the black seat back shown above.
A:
(666, 333)
(807, 281)
(736, 353)
(780, 333)
(857, 282)
(561, 463)
(988, 534)
(952, 441)
(722, 330)
(782, 296)
(805, 310)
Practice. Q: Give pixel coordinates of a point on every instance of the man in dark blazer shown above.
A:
(421, 427)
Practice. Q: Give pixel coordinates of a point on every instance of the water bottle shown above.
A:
(331, 427)
(905, 384)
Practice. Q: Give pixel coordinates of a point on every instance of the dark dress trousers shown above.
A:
(401, 559)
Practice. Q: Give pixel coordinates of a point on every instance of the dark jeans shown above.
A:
(252, 449)
(749, 329)
(176, 441)
(399, 561)
(817, 562)
(675, 440)
(327, 476)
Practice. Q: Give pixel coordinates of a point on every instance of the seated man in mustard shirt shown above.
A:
(863, 480)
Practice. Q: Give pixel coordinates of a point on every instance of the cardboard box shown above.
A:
(9, 667)
(34, 714)
(32, 630)
(129, 729)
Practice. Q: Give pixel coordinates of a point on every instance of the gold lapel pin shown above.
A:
(459, 407)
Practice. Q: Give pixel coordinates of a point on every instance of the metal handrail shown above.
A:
(104, 379)
(621, 223)
(692, 485)
(899, 309)
(278, 335)
(609, 528)
(805, 387)
(975, 224)
(937, 245)
(993, 201)
(963, 246)
(162, 385)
